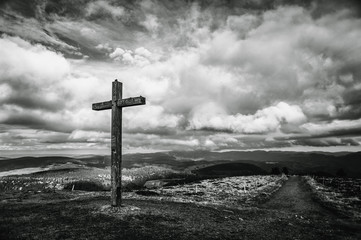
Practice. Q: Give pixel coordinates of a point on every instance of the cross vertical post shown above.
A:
(116, 105)
(116, 145)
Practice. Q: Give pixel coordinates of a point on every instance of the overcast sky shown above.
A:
(216, 74)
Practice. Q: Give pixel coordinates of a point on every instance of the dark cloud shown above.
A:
(157, 131)
(322, 7)
(345, 136)
(26, 94)
(323, 142)
(35, 122)
(32, 100)
(343, 132)
(137, 18)
(275, 72)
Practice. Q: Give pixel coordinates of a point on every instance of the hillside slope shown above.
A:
(290, 214)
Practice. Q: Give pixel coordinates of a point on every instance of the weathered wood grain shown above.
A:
(128, 102)
(116, 104)
(116, 148)
(102, 106)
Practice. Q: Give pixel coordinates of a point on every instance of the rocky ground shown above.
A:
(290, 213)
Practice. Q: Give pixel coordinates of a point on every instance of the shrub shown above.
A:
(86, 186)
(275, 171)
(341, 173)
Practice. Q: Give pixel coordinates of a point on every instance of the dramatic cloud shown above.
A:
(39, 90)
(245, 74)
(101, 9)
(270, 119)
(27, 84)
(140, 57)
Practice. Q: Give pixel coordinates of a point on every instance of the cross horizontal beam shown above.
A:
(127, 102)
(102, 105)
(133, 101)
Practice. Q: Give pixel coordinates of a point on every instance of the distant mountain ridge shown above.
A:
(296, 162)
(231, 169)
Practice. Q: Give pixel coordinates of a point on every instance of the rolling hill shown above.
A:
(296, 162)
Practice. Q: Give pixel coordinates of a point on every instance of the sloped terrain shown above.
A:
(322, 164)
(340, 194)
(290, 213)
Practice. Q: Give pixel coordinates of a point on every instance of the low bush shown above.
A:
(86, 186)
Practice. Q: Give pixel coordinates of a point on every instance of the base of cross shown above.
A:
(116, 105)
(119, 209)
(116, 196)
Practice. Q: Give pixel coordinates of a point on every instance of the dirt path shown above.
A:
(301, 217)
(294, 197)
(289, 214)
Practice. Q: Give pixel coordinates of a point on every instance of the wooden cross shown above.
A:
(116, 104)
